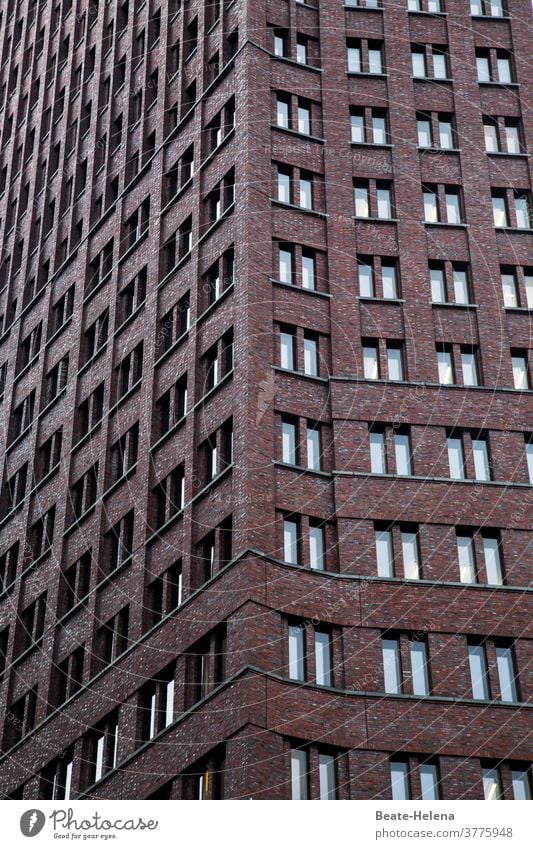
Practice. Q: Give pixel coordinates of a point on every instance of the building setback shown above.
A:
(266, 288)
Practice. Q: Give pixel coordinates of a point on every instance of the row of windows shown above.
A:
(374, 199)
(394, 366)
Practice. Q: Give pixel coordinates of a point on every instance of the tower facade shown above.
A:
(266, 289)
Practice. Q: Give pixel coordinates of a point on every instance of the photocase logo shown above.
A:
(32, 822)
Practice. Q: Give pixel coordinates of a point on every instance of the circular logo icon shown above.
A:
(32, 822)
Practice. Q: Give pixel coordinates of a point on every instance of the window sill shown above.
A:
(92, 359)
(491, 17)
(520, 155)
(459, 224)
(433, 79)
(158, 532)
(373, 220)
(498, 84)
(176, 344)
(176, 196)
(132, 248)
(209, 309)
(127, 395)
(508, 229)
(439, 150)
(362, 8)
(302, 469)
(453, 305)
(296, 208)
(526, 310)
(130, 318)
(297, 134)
(212, 483)
(76, 523)
(427, 14)
(383, 145)
(86, 436)
(368, 75)
(373, 299)
(431, 478)
(293, 287)
(214, 224)
(116, 484)
(301, 374)
(296, 64)
(211, 155)
(170, 432)
(210, 392)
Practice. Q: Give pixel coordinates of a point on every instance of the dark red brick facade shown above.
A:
(146, 591)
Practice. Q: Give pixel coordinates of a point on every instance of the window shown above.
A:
(103, 748)
(83, 492)
(8, 566)
(521, 783)
(133, 295)
(402, 453)
(118, 544)
(280, 42)
(30, 626)
(478, 670)
(176, 322)
(42, 533)
(368, 126)
(378, 462)
(493, 66)
(304, 118)
(56, 380)
(529, 459)
(75, 582)
(112, 638)
(492, 783)
(442, 205)
(410, 554)
(522, 209)
(301, 50)
(23, 713)
(309, 270)
(138, 223)
(56, 778)
(519, 362)
(445, 365)
(297, 652)
(95, 337)
(365, 57)
(499, 209)
(456, 457)
(165, 593)
(170, 496)
(284, 185)
(316, 546)
(124, 453)
(418, 653)
(480, 453)
(287, 349)
(467, 563)
(283, 111)
(299, 774)
(306, 191)
(68, 676)
(310, 355)
(390, 649)
(469, 366)
(289, 441)
(156, 704)
(502, 135)
(490, 8)
(172, 405)
(429, 61)
(370, 360)
(399, 777)
(493, 560)
(100, 267)
(384, 554)
(429, 781)
(505, 665)
(394, 362)
(90, 411)
(314, 452)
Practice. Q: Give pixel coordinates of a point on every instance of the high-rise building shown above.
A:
(266, 289)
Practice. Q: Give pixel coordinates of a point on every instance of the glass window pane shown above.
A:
(288, 442)
(384, 203)
(326, 773)
(304, 120)
(384, 554)
(354, 60)
(394, 364)
(290, 541)
(440, 71)
(493, 566)
(455, 458)
(478, 672)
(431, 209)
(469, 368)
(492, 788)
(438, 290)
(361, 202)
(296, 653)
(402, 452)
(446, 135)
(510, 298)
(370, 362)
(358, 128)
(301, 53)
(323, 658)
(169, 702)
(529, 460)
(499, 212)
(399, 780)
(512, 138)
(419, 64)
(377, 453)
(299, 774)
(374, 61)
(521, 784)
(460, 286)
(445, 366)
(522, 212)
(453, 208)
(316, 548)
(519, 372)
(311, 357)
(411, 564)
(306, 194)
(480, 452)
(467, 566)
(366, 280)
(308, 271)
(388, 279)
(379, 130)
(491, 138)
(286, 350)
(475, 7)
(429, 781)
(483, 69)
(285, 265)
(284, 187)
(313, 448)
(282, 114)
(506, 673)
(419, 670)
(504, 70)
(391, 665)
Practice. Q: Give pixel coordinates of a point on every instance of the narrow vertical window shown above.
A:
(492, 783)
(478, 671)
(326, 774)
(467, 564)
(378, 463)
(296, 653)
(402, 452)
(316, 547)
(290, 541)
(384, 555)
(419, 667)
(323, 658)
(506, 673)
(493, 563)
(390, 648)
(456, 458)
(299, 774)
(410, 555)
(429, 781)
(399, 780)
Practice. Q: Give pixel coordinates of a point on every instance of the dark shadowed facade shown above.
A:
(266, 288)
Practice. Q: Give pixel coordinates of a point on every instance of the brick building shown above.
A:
(266, 288)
